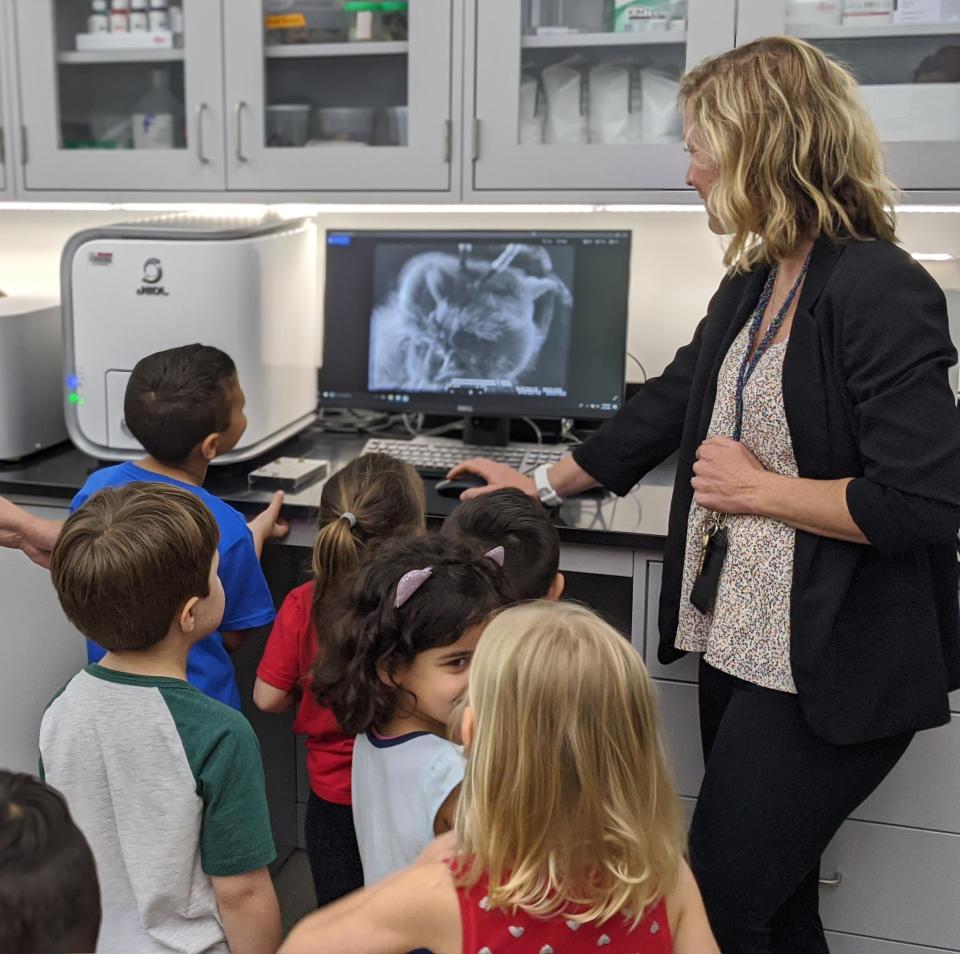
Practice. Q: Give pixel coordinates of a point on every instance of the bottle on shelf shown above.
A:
(99, 19)
(155, 117)
(139, 21)
(120, 16)
(159, 16)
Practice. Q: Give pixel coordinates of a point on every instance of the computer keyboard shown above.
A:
(434, 456)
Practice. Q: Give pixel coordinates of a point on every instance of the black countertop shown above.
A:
(638, 520)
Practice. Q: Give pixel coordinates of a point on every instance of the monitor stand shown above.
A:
(486, 431)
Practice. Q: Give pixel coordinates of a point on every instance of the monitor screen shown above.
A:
(484, 323)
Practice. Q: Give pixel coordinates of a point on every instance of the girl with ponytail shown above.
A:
(371, 500)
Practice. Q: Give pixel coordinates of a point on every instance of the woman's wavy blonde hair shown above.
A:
(567, 799)
(796, 153)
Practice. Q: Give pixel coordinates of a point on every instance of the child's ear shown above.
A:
(208, 446)
(466, 727)
(186, 618)
(386, 677)
(556, 588)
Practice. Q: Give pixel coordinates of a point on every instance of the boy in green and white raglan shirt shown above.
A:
(165, 783)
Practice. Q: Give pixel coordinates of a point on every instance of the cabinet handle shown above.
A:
(3, 147)
(238, 114)
(201, 109)
(475, 139)
(448, 140)
(833, 881)
(23, 145)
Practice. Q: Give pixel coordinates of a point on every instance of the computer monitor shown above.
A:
(488, 324)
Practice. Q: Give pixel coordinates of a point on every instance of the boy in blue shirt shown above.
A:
(185, 406)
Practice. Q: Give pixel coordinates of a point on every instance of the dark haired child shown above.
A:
(185, 406)
(524, 528)
(49, 894)
(394, 670)
(165, 783)
(371, 500)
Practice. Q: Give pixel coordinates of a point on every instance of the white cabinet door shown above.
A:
(311, 108)
(6, 128)
(910, 82)
(142, 118)
(565, 100)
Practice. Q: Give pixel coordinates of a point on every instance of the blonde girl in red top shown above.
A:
(372, 499)
(569, 836)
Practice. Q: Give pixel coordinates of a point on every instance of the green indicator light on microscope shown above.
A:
(73, 397)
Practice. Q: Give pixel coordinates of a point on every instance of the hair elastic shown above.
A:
(349, 517)
(411, 581)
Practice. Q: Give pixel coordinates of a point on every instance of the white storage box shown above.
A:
(247, 287)
(915, 112)
(105, 42)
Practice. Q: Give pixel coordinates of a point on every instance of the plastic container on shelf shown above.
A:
(139, 21)
(914, 112)
(363, 20)
(393, 20)
(809, 13)
(288, 125)
(346, 124)
(395, 119)
(304, 21)
(156, 117)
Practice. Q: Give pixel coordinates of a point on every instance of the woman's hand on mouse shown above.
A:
(727, 477)
(495, 474)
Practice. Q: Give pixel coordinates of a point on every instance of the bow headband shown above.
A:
(411, 581)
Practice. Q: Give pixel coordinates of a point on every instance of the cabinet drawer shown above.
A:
(897, 883)
(853, 944)
(683, 670)
(922, 790)
(678, 715)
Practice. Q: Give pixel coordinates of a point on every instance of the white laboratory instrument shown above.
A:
(248, 287)
(30, 376)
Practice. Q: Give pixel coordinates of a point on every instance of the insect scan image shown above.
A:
(478, 319)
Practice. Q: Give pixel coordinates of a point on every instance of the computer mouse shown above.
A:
(457, 485)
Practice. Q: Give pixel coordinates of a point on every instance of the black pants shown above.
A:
(332, 849)
(773, 796)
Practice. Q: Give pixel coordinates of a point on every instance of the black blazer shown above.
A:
(875, 630)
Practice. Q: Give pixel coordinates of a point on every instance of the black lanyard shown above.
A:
(749, 363)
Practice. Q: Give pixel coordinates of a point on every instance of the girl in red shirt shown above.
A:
(568, 832)
(373, 499)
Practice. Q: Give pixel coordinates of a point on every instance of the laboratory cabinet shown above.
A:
(567, 101)
(102, 114)
(238, 100)
(529, 101)
(889, 877)
(6, 128)
(908, 66)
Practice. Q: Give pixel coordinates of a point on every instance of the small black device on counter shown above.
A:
(288, 473)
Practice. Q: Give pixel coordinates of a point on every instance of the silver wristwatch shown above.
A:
(545, 492)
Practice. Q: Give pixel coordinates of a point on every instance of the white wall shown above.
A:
(676, 261)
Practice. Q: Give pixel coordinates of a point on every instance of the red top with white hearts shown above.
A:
(497, 932)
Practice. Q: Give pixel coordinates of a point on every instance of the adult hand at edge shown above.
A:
(496, 475)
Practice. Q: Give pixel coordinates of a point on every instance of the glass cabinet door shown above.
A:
(121, 99)
(4, 125)
(906, 56)
(581, 94)
(339, 96)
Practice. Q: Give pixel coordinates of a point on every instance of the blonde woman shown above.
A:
(569, 832)
(811, 552)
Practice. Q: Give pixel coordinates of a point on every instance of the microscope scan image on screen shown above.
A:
(477, 318)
